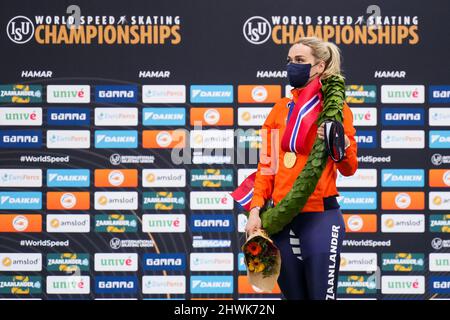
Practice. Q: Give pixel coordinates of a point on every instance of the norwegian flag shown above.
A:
(301, 117)
(244, 193)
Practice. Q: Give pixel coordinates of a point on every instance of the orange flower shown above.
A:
(254, 248)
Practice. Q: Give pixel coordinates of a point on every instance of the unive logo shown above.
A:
(116, 117)
(116, 262)
(68, 139)
(68, 284)
(116, 139)
(164, 223)
(439, 94)
(402, 139)
(211, 93)
(212, 223)
(68, 94)
(20, 117)
(402, 178)
(116, 285)
(20, 93)
(212, 284)
(68, 116)
(164, 284)
(212, 261)
(402, 284)
(366, 117)
(402, 94)
(20, 178)
(252, 116)
(439, 262)
(164, 261)
(439, 139)
(68, 178)
(402, 117)
(10, 200)
(164, 116)
(164, 94)
(116, 94)
(356, 94)
(23, 139)
(211, 200)
(366, 139)
(358, 200)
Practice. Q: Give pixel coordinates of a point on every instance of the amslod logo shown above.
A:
(212, 223)
(164, 261)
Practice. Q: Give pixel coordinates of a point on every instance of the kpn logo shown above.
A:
(20, 29)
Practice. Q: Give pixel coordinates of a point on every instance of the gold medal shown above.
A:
(289, 159)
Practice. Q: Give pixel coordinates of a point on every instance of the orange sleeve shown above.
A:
(267, 166)
(349, 164)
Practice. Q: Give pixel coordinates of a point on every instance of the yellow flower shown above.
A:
(256, 265)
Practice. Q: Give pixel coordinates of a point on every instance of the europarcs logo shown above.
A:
(20, 29)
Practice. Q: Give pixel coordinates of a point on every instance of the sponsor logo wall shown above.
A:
(118, 149)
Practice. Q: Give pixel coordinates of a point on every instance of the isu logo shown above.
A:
(257, 30)
(20, 29)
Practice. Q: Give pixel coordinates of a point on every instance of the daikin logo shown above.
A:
(212, 94)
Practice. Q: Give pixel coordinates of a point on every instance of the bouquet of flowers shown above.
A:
(263, 261)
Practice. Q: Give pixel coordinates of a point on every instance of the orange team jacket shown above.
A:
(274, 180)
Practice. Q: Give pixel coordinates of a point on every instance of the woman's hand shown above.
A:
(253, 222)
(321, 135)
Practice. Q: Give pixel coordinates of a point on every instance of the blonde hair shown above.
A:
(326, 51)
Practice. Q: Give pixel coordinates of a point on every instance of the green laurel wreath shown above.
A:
(275, 218)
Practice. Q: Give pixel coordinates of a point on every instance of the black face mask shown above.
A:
(298, 73)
